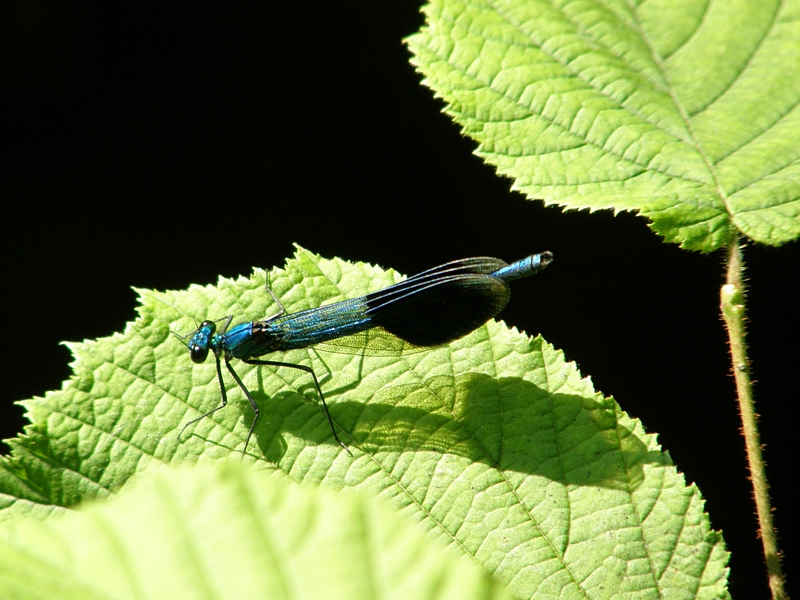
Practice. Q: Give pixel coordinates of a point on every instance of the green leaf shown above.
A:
(686, 112)
(255, 536)
(494, 443)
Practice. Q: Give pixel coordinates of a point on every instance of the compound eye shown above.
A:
(198, 354)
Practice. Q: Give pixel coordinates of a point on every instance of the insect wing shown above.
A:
(441, 311)
(431, 308)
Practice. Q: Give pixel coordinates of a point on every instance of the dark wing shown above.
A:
(439, 311)
(433, 308)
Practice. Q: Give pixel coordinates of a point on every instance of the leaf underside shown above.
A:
(686, 112)
(256, 536)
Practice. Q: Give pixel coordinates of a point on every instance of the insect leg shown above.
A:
(274, 363)
(213, 410)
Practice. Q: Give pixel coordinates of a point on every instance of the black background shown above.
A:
(162, 146)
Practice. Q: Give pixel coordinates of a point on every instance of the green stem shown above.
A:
(733, 311)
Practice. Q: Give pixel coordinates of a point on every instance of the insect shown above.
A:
(430, 309)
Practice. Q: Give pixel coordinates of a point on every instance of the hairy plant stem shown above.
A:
(733, 311)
